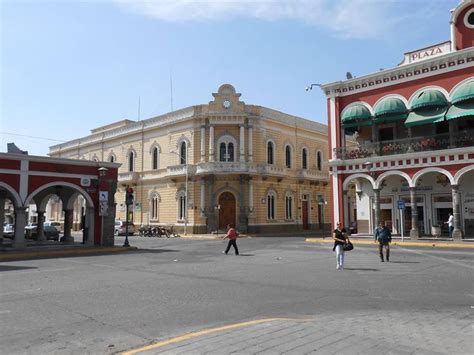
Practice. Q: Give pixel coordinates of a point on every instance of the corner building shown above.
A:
(413, 162)
(262, 170)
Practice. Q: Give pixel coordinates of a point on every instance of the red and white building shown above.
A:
(411, 160)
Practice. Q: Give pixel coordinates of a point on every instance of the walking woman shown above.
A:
(232, 235)
(340, 238)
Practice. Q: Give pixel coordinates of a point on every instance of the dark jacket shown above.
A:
(383, 235)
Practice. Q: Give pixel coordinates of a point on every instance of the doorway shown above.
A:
(305, 215)
(227, 210)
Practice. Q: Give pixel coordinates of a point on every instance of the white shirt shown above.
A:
(451, 221)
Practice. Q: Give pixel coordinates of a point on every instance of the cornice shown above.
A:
(409, 72)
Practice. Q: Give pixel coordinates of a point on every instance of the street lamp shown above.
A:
(321, 203)
(185, 158)
(310, 87)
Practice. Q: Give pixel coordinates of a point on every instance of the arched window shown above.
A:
(183, 153)
(270, 153)
(271, 200)
(222, 152)
(319, 160)
(155, 200)
(288, 156)
(112, 159)
(131, 161)
(304, 158)
(230, 152)
(182, 206)
(289, 206)
(155, 158)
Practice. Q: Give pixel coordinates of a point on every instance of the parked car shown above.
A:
(120, 228)
(8, 231)
(56, 225)
(50, 232)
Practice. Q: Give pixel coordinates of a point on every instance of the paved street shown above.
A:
(281, 295)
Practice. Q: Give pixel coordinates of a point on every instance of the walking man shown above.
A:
(384, 237)
(232, 235)
(450, 223)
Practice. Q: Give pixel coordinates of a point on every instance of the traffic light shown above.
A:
(129, 196)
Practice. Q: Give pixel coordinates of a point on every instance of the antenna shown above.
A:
(139, 108)
(171, 90)
(349, 75)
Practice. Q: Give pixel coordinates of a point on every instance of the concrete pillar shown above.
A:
(346, 210)
(250, 147)
(203, 197)
(203, 143)
(40, 229)
(250, 196)
(67, 237)
(211, 143)
(457, 232)
(242, 221)
(376, 207)
(242, 143)
(90, 215)
(414, 232)
(2, 216)
(20, 223)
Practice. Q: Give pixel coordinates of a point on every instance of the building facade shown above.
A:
(413, 163)
(202, 167)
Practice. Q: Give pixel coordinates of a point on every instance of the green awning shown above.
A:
(464, 92)
(356, 115)
(422, 117)
(389, 106)
(429, 98)
(461, 109)
(391, 118)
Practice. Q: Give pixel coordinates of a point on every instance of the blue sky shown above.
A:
(67, 66)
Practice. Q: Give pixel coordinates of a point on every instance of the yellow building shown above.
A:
(262, 170)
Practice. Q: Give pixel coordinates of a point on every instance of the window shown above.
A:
(319, 160)
(270, 153)
(154, 207)
(230, 152)
(112, 159)
(182, 153)
(182, 207)
(131, 161)
(288, 156)
(289, 207)
(271, 205)
(304, 157)
(222, 152)
(155, 159)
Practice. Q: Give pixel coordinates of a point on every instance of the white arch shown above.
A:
(356, 103)
(153, 146)
(348, 179)
(16, 197)
(382, 176)
(394, 96)
(422, 172)
(461, 172)
(90, 203)
(455, 87)
(112, 154)
(320, 152)
(429, 87)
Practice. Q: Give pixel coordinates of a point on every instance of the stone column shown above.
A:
(251, 197)
(203, 143)
(20, 223)
(242, 142)
(203, 197)
(67, 237)
(414, 232)
(376, 207)
(250, 156)
(2, 216)
(90, 215)
(346, 210)
(40, 228)
(211, 215)
(211, 143)
(457, 232)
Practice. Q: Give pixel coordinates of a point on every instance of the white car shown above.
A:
(120, 228)
(8, 231)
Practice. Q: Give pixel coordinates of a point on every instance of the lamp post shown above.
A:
(185, 188)
(321, 203)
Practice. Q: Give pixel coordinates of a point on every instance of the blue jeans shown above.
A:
(340, 255)
(451, 228)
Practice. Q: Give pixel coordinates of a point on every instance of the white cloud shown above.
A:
(346, 18)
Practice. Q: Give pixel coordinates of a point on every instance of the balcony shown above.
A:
(270, 169)
(407, 145)
(312, 174)
(129, 177)
(224, 167)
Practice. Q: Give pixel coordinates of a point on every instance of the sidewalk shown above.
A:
(429, 243)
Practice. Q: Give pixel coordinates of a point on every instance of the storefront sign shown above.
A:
(426, 53)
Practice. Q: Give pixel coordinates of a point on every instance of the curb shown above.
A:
(62, 253)
(428, 244)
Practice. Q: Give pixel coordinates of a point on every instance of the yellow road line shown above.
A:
(204, 332)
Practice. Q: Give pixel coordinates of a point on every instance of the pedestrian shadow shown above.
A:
(14, 268)
(360, 269)
(246, 254)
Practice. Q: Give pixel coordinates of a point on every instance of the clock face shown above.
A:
(226, 103)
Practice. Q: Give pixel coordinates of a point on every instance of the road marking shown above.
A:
(20, 292)
(15, 272)
(205, 332)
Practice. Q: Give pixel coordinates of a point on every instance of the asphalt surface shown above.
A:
(182, 296)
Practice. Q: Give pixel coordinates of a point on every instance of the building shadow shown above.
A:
(15, 268)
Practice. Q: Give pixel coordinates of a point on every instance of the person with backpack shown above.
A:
(232, 236)
(383, 236)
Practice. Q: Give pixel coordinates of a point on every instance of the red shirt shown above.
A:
(231, 234)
